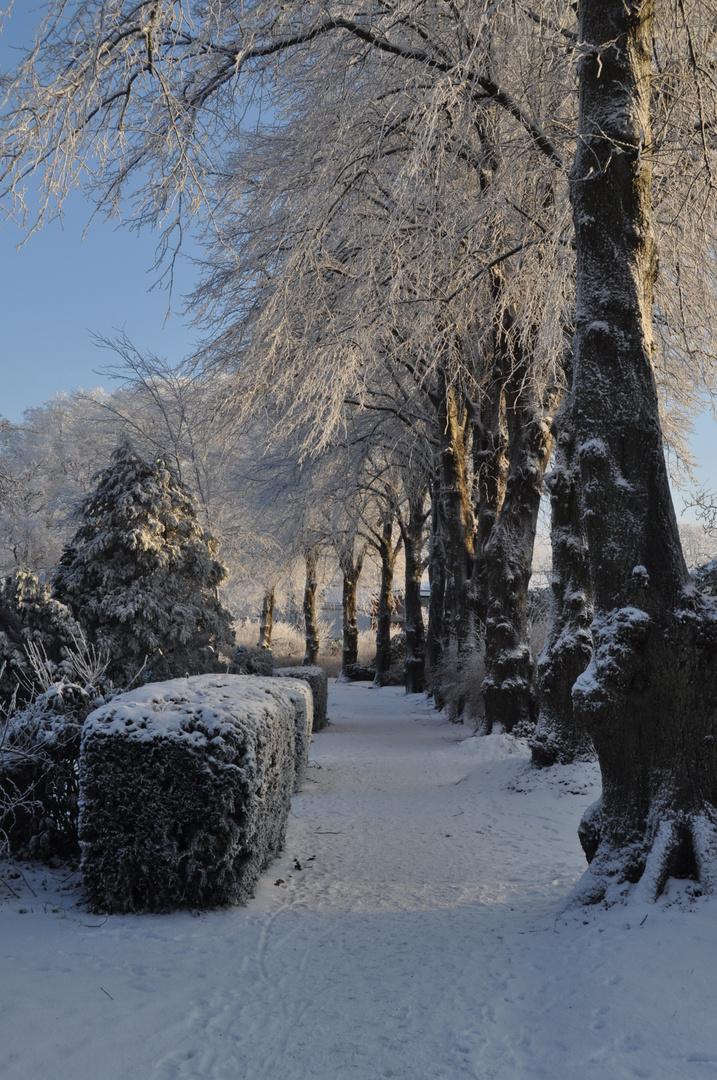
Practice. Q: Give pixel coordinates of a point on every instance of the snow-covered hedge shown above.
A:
(185, 790)
(316, 678)
(301, 697)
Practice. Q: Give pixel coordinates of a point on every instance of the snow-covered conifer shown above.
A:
(140, 574)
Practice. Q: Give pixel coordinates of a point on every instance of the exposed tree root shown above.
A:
(681, 845)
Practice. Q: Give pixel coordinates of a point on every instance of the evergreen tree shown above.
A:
(140, 574)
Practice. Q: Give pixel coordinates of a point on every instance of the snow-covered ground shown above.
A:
(407, 931)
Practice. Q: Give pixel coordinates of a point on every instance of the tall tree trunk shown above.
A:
(492, 465)
(559, 735)
(266, 622)
(351, 572)
(506, 687)
(437, 582)
(311, 626)
(648, 695)
(457, 511)
(412, 535)
(388, 552)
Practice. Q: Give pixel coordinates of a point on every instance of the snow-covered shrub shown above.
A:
(301, 697)
(395, 676)
(398, 648)
(251, 661)
(185, 791)
(39, 750)
(705, 578)
(140, 574)
(319, 684)
(358, 673)
(460, 677)
(37, 637)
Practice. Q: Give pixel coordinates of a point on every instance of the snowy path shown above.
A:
(415, 941)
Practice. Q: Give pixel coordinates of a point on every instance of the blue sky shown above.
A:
(59, 289)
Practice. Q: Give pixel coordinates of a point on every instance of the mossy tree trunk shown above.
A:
(649, 695)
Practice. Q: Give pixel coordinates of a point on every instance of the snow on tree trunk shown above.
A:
(266, 622)
(319, 686)
(648, 695)
(311, 626)
(351, 572)
(412, 534)
(185, 791)
(559, 735)
(506, 688)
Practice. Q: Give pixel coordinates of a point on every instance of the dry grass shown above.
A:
(288, 644)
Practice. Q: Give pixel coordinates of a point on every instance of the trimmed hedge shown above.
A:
(299, 693)
(185, 791)
(316, 678)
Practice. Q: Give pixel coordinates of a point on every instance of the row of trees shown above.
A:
(409, 285)
(283, 527)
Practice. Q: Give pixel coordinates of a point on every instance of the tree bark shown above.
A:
(351, 572)
(507, 686)
(412, 535)
(266, 622)
(388, 552)
(310, 624)
(559, 735)
(437, 582)
(647, 697)
(457, 511)
(492, 466)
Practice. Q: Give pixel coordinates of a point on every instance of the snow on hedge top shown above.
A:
(299, 671)
(201, 709)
